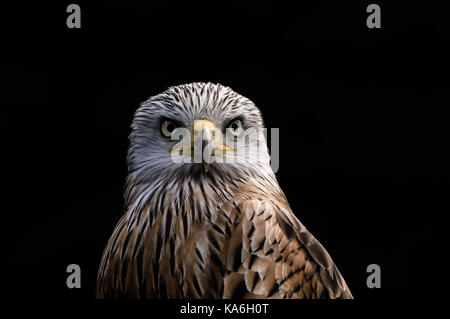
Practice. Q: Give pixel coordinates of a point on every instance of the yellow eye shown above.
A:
(167, 128)
(236, 128)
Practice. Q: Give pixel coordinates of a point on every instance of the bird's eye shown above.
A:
(167, 128)
(235, 128)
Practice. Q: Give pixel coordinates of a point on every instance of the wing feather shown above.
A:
(280, 257)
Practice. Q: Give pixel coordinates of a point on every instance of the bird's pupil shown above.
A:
(170, 127)
(234, 126)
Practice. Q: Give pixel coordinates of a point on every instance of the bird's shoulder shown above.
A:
(275, 255)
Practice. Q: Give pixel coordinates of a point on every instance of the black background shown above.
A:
(362, 115)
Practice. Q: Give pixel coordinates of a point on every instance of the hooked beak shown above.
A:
(204, 135)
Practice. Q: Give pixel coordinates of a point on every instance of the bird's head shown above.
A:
(197, 130)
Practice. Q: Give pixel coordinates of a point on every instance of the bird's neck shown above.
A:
(196, 197)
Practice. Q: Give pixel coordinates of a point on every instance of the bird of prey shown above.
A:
(208, 229)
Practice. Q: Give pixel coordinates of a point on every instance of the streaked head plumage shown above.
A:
(150, 157)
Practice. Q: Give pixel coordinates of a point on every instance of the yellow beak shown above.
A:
(204, 134)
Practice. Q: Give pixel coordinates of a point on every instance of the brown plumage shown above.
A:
(224, 232)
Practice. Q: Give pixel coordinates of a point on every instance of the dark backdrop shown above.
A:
(369, 178)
